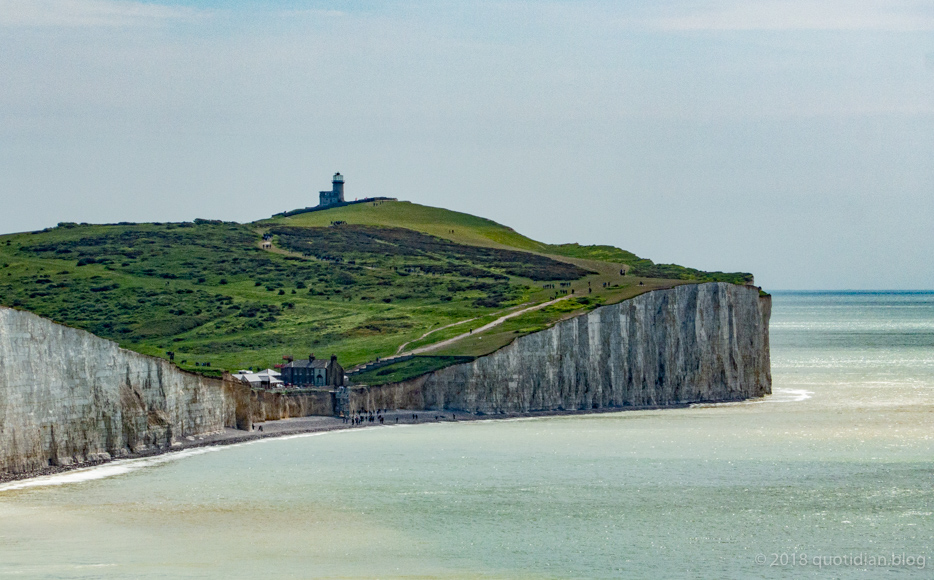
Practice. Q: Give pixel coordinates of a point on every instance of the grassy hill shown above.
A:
(209, 291)
(467, 229)
(457, 227)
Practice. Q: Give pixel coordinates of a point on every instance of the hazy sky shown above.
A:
(793, 139)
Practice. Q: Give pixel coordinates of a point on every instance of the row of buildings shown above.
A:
(304, 373)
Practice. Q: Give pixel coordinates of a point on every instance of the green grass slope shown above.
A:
(458, 227)
(209, 291)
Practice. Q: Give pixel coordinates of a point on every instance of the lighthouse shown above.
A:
(336, 195)
(337, 186)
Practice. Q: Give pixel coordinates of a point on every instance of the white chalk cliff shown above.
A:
(67, 396)
(692, 343)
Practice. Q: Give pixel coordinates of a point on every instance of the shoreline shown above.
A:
(322, 424)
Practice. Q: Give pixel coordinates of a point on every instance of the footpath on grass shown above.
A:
(402, 354)
(430, 332)
(485, 327)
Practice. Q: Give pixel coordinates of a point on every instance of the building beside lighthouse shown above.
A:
(334, 198)
(336, 195)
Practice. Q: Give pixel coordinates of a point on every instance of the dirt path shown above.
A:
(405, 344)
(486, 327)
(268, 247)
(434, 330)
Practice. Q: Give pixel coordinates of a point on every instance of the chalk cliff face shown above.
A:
(267, 406)
(699, 342)
(67, 396)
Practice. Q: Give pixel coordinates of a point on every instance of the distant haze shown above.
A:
(791, 139)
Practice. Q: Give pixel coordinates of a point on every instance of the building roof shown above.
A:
(306, 364)
(258, 378)
(269, 372)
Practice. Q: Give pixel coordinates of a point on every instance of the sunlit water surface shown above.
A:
(838, 462)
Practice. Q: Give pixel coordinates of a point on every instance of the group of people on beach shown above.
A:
(363, 416)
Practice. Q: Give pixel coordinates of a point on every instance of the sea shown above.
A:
(832, 476)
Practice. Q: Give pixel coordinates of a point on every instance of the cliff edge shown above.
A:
(691, 343)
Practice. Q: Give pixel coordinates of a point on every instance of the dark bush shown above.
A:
(369, 245)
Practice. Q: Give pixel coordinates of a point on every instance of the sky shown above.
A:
(793, 139)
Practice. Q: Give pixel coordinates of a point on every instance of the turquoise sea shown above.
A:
(823, 479)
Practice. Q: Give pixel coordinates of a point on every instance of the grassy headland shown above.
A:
(387, 274)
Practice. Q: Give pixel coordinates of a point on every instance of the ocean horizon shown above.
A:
(851, 291)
